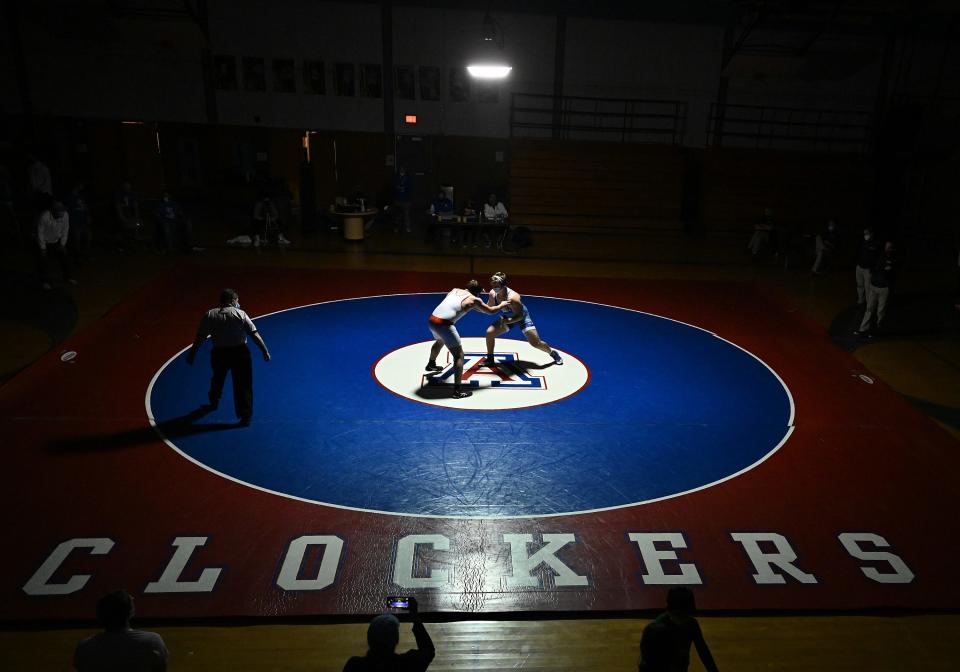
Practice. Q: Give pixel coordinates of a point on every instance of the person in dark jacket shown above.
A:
(383, 635)
(881, 280)
(665, 644)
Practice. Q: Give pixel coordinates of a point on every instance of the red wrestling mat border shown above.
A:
(856, 510)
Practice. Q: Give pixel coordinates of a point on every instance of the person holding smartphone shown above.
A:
(383, 635)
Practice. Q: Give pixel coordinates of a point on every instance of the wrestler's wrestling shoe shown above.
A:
(556, 357)
(461, 394)
(488, 361)
(433, 366)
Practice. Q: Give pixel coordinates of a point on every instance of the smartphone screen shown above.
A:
(398, 602)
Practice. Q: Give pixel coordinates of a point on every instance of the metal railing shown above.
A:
(810, 129)
(587, 118)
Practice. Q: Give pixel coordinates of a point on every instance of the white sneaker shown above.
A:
(282, 240)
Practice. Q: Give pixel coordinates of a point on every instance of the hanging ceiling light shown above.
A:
(491, 63)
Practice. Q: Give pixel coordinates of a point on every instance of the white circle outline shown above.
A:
(790, 426)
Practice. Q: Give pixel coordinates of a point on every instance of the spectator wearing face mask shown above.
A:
(53, 228)
(866, 258)
(881, 281)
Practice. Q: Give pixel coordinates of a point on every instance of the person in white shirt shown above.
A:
(228, 328)
(53, 228)
(494, 209)
(119, 647)
(442, 324)
(496, 213)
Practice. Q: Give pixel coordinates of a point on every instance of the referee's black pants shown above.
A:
(236, 361)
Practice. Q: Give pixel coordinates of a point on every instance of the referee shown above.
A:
(228, 326)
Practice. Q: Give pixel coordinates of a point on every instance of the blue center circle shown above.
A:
(670, 408)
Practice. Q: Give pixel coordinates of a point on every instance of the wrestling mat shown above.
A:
(698, 434)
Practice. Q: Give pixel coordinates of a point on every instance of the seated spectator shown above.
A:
(383, 635)
(494, 210)
(665, 644)
(267, 222)
(441, 214)
(174, 229)
(119, 647)
(53, 229)
(441, 206)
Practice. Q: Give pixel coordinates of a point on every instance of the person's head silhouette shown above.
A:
(681, 603)
(115, 609)
(383, 634)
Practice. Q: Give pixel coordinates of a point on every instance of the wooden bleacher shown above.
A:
(574, 185)
(558, 185)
